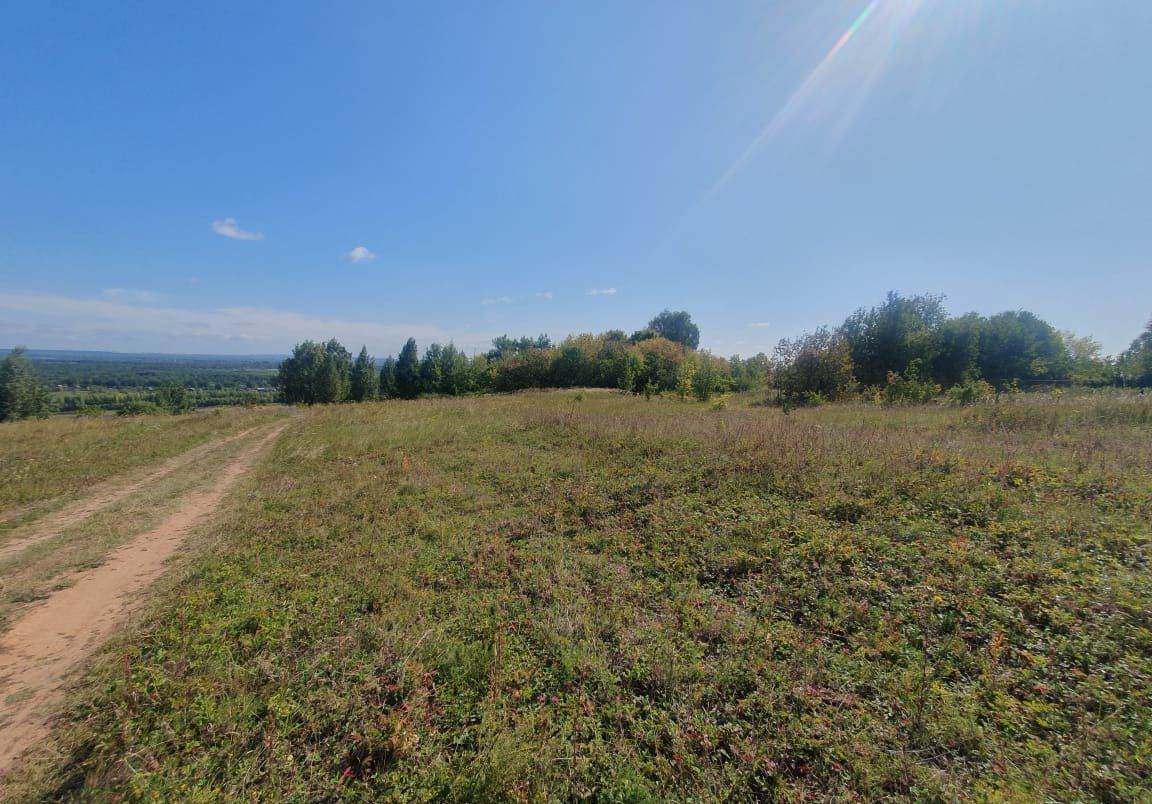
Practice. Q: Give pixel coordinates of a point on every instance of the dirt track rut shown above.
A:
(52, 638)
(103, 496)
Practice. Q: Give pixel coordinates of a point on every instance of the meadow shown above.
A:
(45, 463)
(586, 595)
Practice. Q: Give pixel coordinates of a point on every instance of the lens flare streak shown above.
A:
(902, 13)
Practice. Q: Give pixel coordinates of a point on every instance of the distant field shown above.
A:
(583, 595)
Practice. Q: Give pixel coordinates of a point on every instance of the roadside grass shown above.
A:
(567, 595)
(44, 464)
(52, 563)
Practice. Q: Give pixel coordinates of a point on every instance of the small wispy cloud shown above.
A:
(360, 254)
(129, 295)
(229, 227)
(498, 300)
(545, 294)
(602, 292)
(760, 324)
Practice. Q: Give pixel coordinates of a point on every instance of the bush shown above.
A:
(790, 400)
(173, 398)
(909, 388)
(139, 407)
(815, 366)
(971, 391)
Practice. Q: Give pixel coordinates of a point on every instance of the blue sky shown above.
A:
(768, 166)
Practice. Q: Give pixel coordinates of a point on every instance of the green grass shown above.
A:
(52, 561)
(43, 464)
(557, 596)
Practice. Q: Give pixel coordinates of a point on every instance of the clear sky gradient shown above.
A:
(236, 177)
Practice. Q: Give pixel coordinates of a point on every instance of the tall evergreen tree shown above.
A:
(408, 371)
(455, 378)
(365, 383)
(22, 395)
(431, 376)
(388, 378)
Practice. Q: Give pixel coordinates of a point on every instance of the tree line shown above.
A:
(910, 349)
(662, 356)
(905, 349)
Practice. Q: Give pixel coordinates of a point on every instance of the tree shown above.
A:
(480, 374)
(315, 373)
(713, 376)
(661, 360)
(173, 397)
(1086, 363)
(815, 366)
(365, 384)
(889, 337)
(408, 371)
(531, 369)
(1020, 346)
(337, 382)
(686, 376)
(1136, 363)
(959, 349)
(676, 327)
(22, 395)
(388, 378)
(505, 347)
(455, 377)
(431, 370)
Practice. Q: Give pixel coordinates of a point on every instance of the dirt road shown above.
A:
(101, 497)
(53, 636)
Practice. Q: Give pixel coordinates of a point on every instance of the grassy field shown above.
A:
(43, 554)
(46, 463)
(564, 596)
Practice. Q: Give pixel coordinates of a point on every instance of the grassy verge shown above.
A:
(564, 596)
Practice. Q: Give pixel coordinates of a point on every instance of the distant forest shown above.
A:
(904, 350)
(907, 349)
(99, 381)
(76, 370)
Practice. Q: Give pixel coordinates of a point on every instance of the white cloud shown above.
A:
(129, 295)
(228, 227)
(498, 300)
(49, 321)
(602, 292)
(545, 294)
(761, 324)
(360, 254)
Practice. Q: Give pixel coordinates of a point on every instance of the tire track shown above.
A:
(54, 636)
(51, 524)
